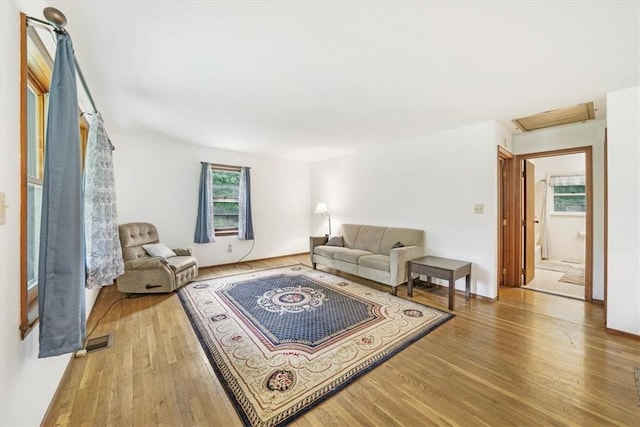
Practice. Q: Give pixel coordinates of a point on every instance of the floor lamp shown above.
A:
(321, 208)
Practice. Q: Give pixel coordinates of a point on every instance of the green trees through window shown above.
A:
(226, 187)
(569, 198)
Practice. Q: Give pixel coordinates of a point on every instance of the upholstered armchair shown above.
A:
(165, 271)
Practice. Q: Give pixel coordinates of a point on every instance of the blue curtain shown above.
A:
(61, 295)
(103, 252)
(204, 222)
(245, 222)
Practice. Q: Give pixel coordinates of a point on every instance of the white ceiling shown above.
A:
(311, 80)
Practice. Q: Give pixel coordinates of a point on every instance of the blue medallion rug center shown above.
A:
(280, 341)
(287, 309)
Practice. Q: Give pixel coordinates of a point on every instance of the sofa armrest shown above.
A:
(313, 242)
(145, 263)
(316, 241)
(183, 251)
(398, 259)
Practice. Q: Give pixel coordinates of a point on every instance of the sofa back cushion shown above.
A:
(379, 240)
(349, 232)
(369, 237)
(406, 236)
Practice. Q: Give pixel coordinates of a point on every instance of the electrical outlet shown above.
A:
(230, 248)
(478, 209)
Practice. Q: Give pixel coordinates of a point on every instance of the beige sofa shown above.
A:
(368, 251)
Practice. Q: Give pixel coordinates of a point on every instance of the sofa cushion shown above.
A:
(408, 237)
(350, 255)
(349, 234)
(378, 262)
(369, 237)
(329, 251)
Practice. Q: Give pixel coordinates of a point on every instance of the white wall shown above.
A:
(590, 133)
(565, 241)
(623, 281)
(429, 183)
(157, 181)
(27, 383)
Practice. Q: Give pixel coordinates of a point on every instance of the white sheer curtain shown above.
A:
(102, 243)
(567, 180)
(542, 231)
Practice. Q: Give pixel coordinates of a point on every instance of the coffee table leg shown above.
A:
(452, 294)
(409, 281)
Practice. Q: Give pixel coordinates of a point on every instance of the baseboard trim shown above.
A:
(252, 260)
(622, 333)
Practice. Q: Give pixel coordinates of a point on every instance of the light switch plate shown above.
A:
(3, 207)
(478, 209)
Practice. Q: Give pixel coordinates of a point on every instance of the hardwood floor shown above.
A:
(528, 359)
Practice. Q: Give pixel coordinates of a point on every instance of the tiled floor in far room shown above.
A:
(549, 281)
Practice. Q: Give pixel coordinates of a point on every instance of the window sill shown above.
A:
(568, 214)
(226, 233)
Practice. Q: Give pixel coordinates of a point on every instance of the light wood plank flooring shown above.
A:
(529, 359)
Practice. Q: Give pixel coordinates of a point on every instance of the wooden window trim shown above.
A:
(36, 78)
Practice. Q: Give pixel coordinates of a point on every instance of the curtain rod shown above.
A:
(53, 28)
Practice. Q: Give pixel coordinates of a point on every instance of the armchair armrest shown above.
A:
(146, 263)
(183, 251)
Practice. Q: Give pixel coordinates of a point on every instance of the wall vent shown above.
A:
(561, 116)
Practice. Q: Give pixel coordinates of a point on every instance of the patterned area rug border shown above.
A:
(336, 385)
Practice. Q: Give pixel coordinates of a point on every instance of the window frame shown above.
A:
(553, 195)
(36, 67)
(224, 168)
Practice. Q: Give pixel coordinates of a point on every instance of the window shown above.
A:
(36, 68)
(226, 188)
(36, 74)
(569, 194)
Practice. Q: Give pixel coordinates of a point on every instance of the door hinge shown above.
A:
(504, 174)
(504, 271)
(523, 271)
(524, 174)
(504, 222)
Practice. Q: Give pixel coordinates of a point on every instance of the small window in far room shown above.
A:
(226, 188)
(569, 194)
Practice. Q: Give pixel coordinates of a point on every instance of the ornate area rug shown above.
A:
(282, 340)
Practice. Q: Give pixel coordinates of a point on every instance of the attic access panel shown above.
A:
(561, 116)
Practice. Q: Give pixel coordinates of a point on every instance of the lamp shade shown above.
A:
(321, 208)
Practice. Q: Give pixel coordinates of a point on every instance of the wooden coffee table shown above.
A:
(441, 268)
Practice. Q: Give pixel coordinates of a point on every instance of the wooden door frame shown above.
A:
(507, 242)
(517, 211)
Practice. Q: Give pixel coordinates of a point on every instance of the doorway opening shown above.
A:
(559, 229)
(550, 247)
